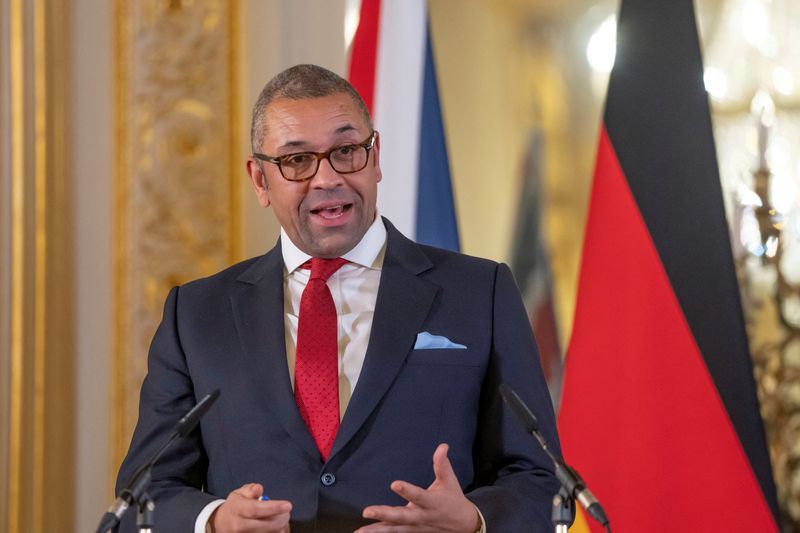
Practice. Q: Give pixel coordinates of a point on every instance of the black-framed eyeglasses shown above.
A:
(302, 166)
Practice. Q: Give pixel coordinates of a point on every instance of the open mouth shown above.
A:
(332, 212)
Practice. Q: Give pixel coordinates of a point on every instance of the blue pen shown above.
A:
(264, 498)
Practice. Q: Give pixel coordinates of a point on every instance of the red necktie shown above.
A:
(316, 374)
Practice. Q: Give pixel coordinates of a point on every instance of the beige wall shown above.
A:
(485, 130)
(272, 41)
(92, 133)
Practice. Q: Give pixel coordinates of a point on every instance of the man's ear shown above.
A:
(259, 181)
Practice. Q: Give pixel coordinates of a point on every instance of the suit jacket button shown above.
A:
(327, 479)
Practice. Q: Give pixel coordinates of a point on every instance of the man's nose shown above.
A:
(326, 177)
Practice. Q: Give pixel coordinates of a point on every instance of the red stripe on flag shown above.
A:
(363, 58)
(641, 418)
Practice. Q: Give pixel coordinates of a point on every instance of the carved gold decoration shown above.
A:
(176, 170)
(17, 262)
(40, 403)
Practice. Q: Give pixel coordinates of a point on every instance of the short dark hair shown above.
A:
(297, 83)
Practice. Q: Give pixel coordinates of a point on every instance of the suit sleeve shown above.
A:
(167, 394)
(514, 479)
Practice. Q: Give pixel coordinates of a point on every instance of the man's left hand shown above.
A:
(440, 507)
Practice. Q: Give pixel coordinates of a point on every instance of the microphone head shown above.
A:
(187, 424)
(520, 410)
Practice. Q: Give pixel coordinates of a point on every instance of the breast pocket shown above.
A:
(444, 356)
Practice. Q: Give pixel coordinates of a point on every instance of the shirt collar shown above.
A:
(367, 253)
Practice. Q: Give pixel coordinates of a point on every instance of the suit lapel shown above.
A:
(402, 304)
(259, 314)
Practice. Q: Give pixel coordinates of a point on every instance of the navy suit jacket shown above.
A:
(226, 332)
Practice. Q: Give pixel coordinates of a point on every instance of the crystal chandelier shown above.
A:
(752, 58)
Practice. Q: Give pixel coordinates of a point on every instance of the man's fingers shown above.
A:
(395, 515)
(246, 501)
(241, 512)
(440, 507)
(277, 523)
(442, 469)
(251, 491)
(258, 510)
(262, 512)
(416, 495)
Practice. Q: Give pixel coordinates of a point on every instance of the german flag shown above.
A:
(659, 411)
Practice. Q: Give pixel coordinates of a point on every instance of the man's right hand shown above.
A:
(243, 512)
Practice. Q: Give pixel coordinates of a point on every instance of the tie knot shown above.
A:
(324, 268)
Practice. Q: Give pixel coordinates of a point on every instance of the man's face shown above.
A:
(327, 215)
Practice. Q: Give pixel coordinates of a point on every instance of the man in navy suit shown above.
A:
(424, 335)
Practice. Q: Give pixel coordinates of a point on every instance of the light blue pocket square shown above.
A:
(426, 341)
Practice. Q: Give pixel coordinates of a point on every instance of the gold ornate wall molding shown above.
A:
(177, 171)
(37, 432)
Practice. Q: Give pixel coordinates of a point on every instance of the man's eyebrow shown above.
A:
(293, 144)
(345, 128)
(304, 144)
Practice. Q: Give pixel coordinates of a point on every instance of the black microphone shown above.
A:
(189, 421)
(138, 483)
(568, 477)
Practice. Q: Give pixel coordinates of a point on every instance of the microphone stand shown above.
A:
(563, 510)
(572, 486)
(135, 491)
(145, 515)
